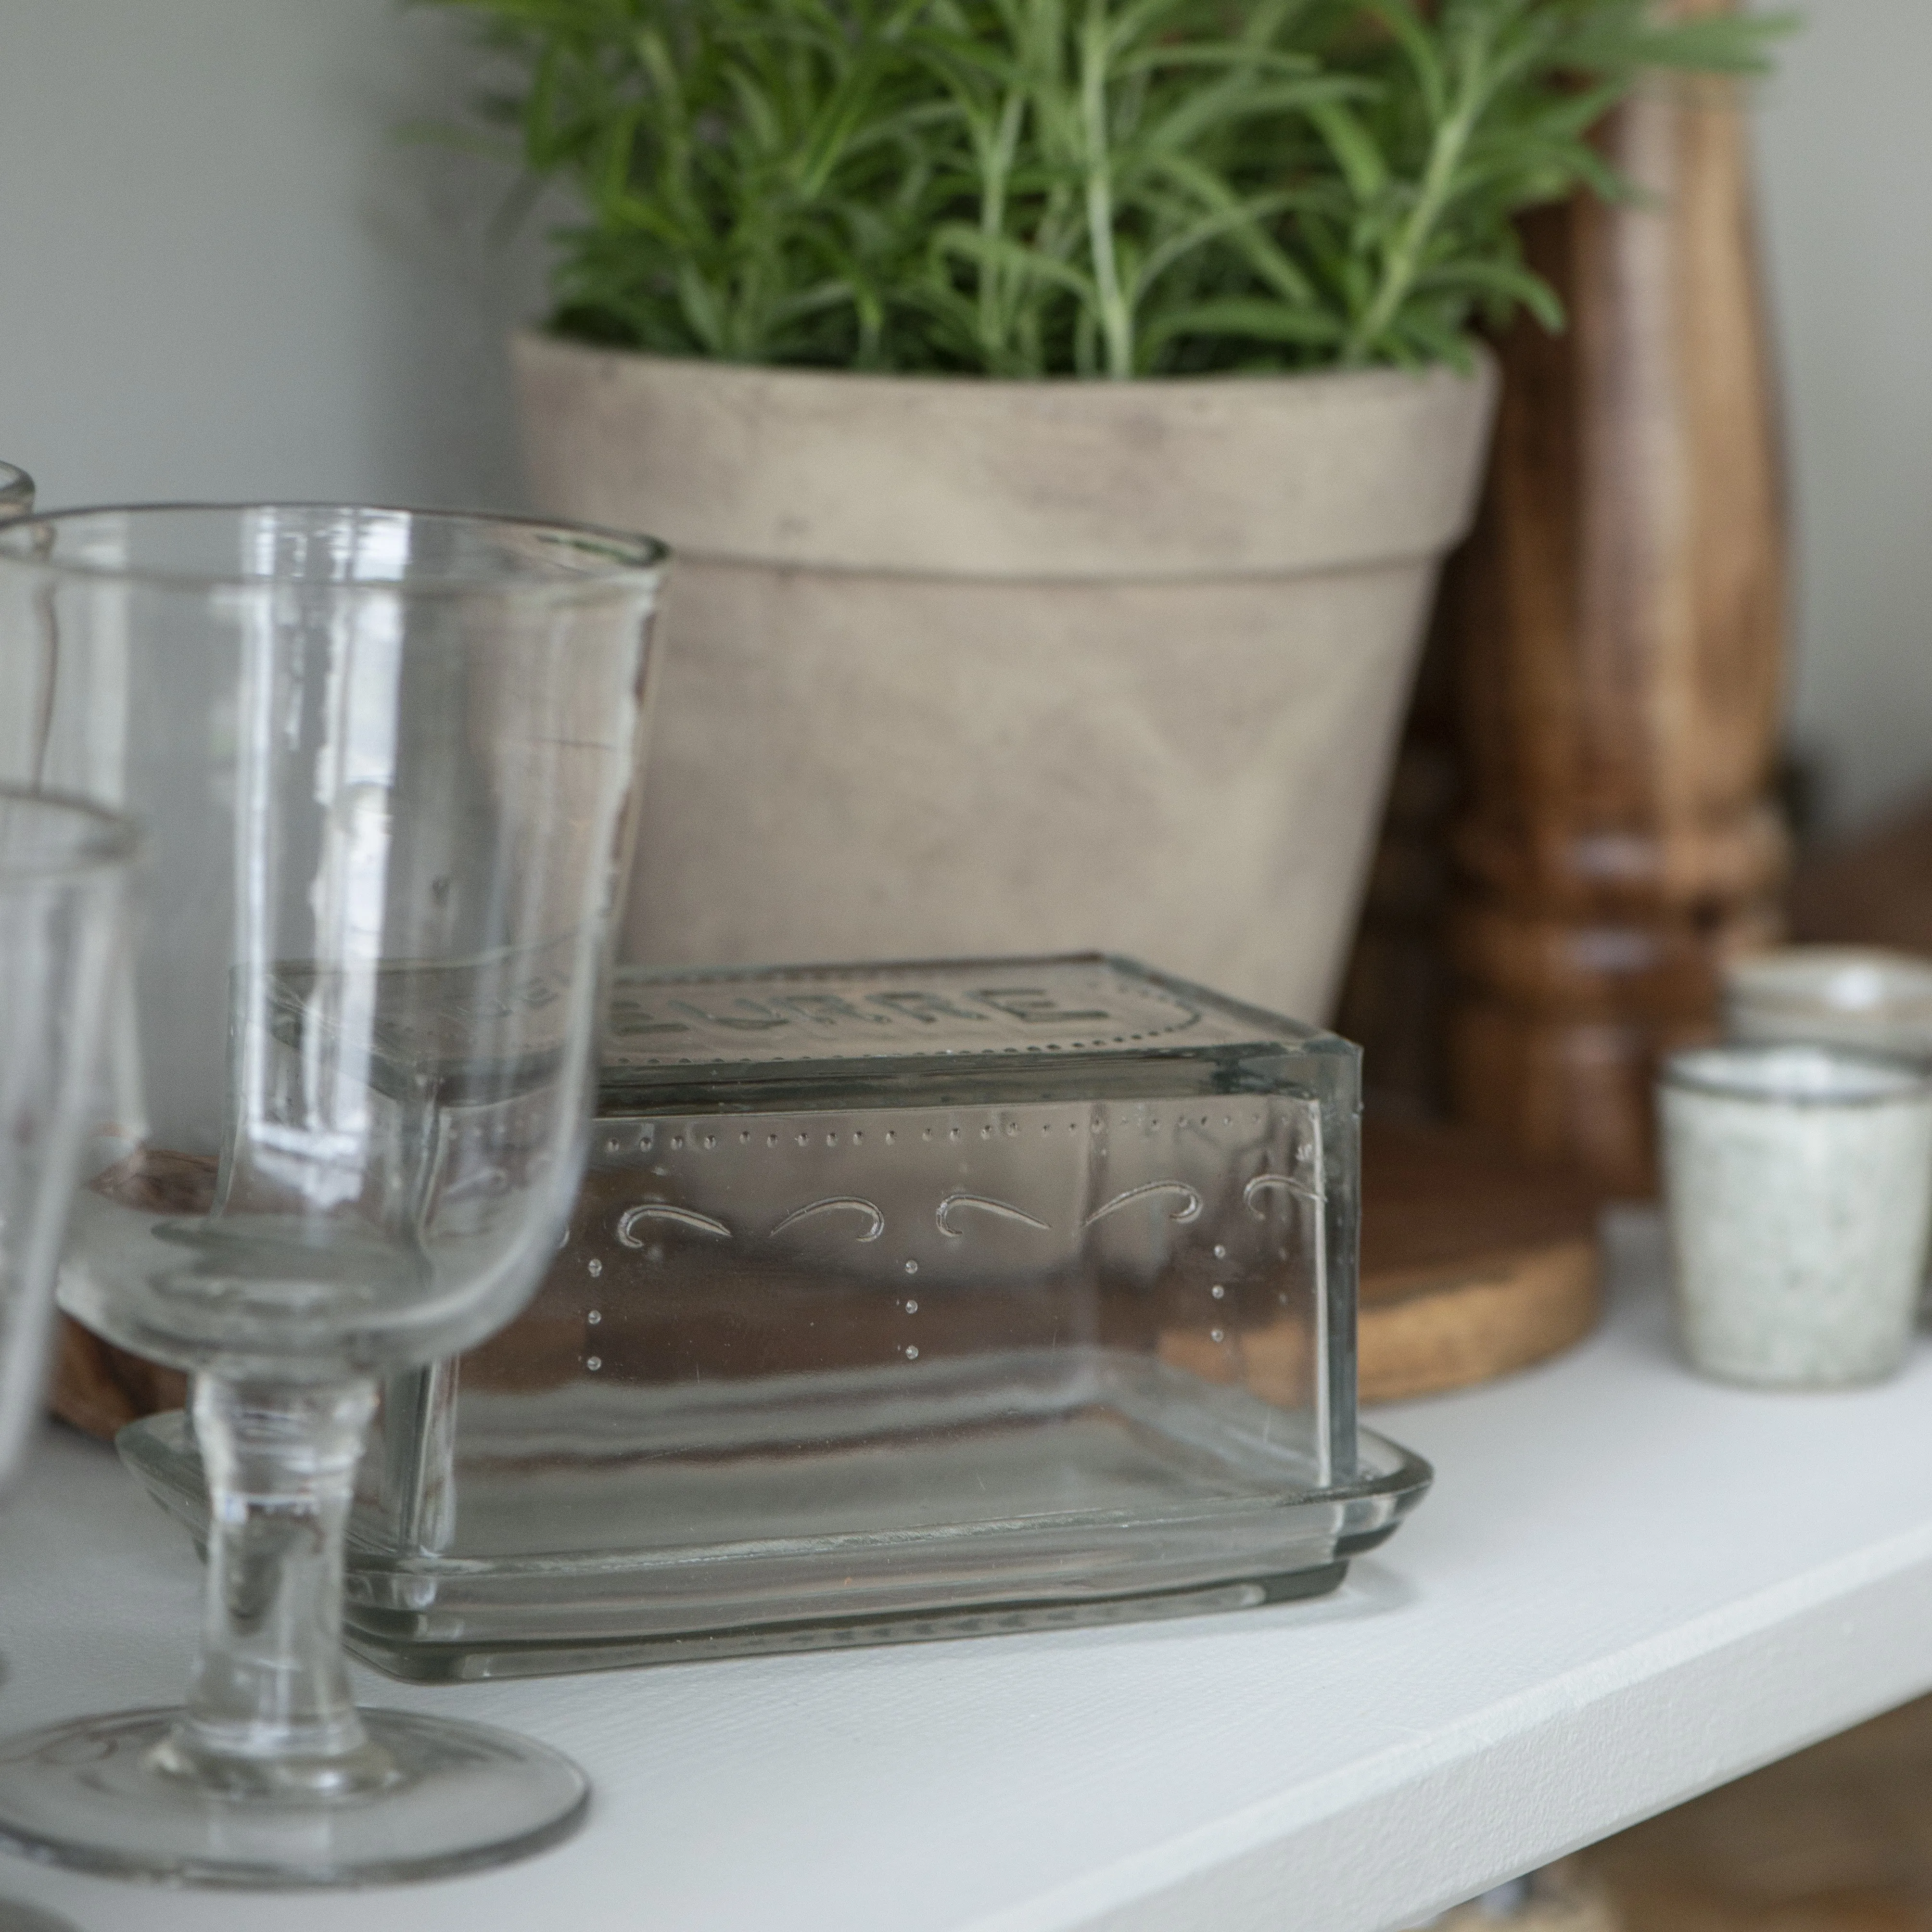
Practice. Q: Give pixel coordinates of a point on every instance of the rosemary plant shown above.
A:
(1092, 188)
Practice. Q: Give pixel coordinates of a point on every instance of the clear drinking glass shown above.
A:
(16, 491)
(385, 762)
(62, 866)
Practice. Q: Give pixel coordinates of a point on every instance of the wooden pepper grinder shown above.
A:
(1619, 632)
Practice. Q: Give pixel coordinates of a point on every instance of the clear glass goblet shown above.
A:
(62, 867)
(62, 870)
(385, 762)
(16, 491)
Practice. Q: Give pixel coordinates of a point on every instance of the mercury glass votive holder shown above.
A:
(1798, 1183)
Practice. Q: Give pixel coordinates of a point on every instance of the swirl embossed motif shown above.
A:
(876, 1228)
(664, 1210)
(1190, 1209)
(1003, 1210)
(1186, 1207)
(1286, 1183)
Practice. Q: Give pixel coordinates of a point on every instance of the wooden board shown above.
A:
(1874, 889)
(1562, 1897)
(1836, 1839)
(1475, 1261)
(98, 1387)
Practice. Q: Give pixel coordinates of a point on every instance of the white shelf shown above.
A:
(1629, 1585)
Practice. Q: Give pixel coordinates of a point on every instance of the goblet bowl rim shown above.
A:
(641, 566)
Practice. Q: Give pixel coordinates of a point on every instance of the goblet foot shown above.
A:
(108, 1794)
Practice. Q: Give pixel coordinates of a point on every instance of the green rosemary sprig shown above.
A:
(1093, 188)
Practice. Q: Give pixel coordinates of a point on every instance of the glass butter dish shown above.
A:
(899, 1301)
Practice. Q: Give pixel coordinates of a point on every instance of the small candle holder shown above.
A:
(1865, 997)
(1798, 1184)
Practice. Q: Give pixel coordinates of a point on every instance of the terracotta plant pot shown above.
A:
(953, 666)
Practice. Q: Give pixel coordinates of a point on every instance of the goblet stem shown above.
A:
(269, 1711)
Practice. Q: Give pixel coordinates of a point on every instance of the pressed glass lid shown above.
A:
(1069, 1007)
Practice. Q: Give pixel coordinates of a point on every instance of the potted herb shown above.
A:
(1060, 408)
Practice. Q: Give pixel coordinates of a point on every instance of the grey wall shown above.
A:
(1845, 142)
(222, 271)
(221, 274)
